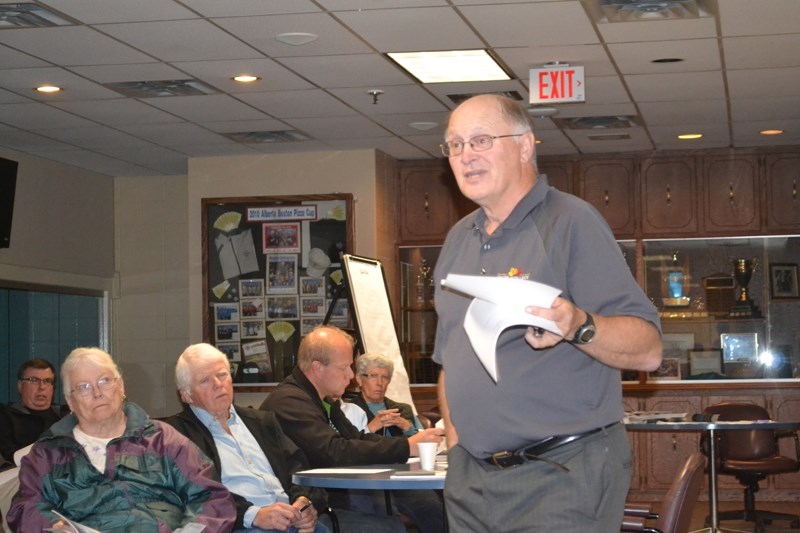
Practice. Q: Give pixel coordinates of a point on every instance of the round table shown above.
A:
(712, 428)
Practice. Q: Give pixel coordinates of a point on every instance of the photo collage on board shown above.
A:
(273, 273)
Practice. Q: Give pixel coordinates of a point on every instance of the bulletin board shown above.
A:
(271, 266)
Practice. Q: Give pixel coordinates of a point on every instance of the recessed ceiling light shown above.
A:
(450, 66)
(689, 136)
(667, 60)
(48, 89)
(297, 38)
(770, 132)
(423, 126)
(246, 78)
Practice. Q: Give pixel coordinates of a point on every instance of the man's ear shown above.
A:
(186, 396)
(527, 147)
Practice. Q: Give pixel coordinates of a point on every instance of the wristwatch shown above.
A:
(585, 333)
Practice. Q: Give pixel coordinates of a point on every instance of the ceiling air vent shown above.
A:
(29, 15)
(458, 98)
(635, 10)
(276, 136)
(609, 137)
(596, 123)
(161, 88)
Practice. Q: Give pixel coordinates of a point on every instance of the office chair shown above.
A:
(750, 456)
(676, 509)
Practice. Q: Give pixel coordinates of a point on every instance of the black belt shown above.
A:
(506, 459)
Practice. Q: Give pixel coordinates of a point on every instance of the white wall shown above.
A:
(63, 226)
(158, 305)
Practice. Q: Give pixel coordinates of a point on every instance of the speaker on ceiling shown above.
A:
(8, 185)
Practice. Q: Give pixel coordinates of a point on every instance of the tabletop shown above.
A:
(390, 477)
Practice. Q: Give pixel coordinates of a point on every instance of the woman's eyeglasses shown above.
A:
(86, 388)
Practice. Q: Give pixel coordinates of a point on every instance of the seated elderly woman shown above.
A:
(384, 415)
(110, 467)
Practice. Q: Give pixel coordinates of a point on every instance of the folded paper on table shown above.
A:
(498, 304)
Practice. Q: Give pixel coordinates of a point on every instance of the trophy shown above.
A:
(744, 306)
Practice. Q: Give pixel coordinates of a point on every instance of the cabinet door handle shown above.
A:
(605, 197)
(674, 443)
(426, 205)
(730, 192)
(669, 195)
(794, 190)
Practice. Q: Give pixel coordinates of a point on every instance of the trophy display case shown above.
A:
(715, 294)
(417, 313)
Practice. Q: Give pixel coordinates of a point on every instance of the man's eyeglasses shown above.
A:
(376, 377)
(479, 143)
(86, 388)
(46, 382)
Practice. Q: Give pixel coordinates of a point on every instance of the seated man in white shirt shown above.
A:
(254, 457)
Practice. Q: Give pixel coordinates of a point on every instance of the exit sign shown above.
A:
(557, 84)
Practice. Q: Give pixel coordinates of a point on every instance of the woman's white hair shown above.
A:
(79, 356)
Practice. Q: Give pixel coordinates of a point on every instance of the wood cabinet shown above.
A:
(559, 173)
(669, 197)
(430, 202)
(782, 176)
(609, 185)
(731, 194)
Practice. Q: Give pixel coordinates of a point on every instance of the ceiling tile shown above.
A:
(592, 57)
(77, 45)
(395, 99)
(637, 58)
(97, 137)
(338, 128)
(762, 51)
(751, 83)
(36, 116)
(260, 32)
(274, 77)
(99, 163)
(668, 113)
(181, 40)
(25, 80)
(25, 141)
(206, 108)
(532, 24)
(764, 17)
(765, 108)
(434, 28)
(175, 135)
(232, 126)
(249, 8)
(657, 30)
(97, 11)
(716, 133)
(120, 111)
(10, 58)
(355, 70)
(297, 104)
(128, 73)
(676, 87)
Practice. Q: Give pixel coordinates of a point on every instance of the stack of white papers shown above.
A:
(499, 303)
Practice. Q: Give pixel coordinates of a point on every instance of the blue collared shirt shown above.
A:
(245, 469)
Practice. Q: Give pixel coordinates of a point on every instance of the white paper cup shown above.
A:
(427, 455)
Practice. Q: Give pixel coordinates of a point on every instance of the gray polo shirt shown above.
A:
(539, 393)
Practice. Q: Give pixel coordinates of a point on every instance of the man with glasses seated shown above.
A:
(23, 422)
(384, 416)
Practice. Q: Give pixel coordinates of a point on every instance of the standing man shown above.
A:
(543, 448)
(304, 406)
(255, 458)
(23, 423)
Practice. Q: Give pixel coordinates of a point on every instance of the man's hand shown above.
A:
(426, 435)
(566, 316)
(278, 516)
(308, 515)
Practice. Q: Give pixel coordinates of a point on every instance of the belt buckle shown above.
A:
(506, 459)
